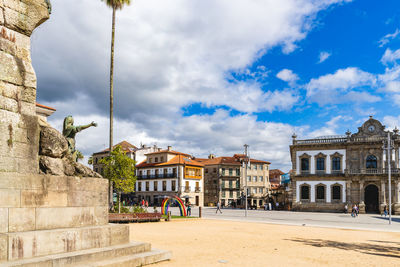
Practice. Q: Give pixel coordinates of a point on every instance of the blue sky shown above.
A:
(209, 76)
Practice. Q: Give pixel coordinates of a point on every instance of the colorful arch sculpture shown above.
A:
(166, 202)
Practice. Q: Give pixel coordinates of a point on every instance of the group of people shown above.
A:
(144, 204)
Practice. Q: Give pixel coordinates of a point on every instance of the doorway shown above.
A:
(197, 201)
(371, 199)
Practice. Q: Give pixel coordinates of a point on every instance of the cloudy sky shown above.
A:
(208, 76)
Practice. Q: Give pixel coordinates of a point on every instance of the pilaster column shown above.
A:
(362, 192)
(396, 157)
(383, 189)
(383, 159)
(348, 192)
(397, 192)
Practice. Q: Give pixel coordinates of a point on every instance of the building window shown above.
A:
(254, 178)
(237, 172)
(214, 170)
(305, 164)
(164, 185)
(261, 167)
(336, 192)
(149, 160)
(372, 162)
(230, 172)
(223, 193)
(261, 190)
(320, 192)
(305, 192)
(261, 178)
(223, 184)
(206, 170)
(255, 190)
(230, 184)
(336, 164)
(223, 171)
(255, 167)
(231, 194)
(248, 178)
(147, 186)
(95, 160)
(155, 159)
(320, 164)
(161, 159)
(155, 186)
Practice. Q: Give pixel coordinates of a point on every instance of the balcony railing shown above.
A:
(197, 190)
(339, 139)
(187, 189)
(372, 171)
(160, 175)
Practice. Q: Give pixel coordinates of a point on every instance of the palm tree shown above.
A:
(114, 4)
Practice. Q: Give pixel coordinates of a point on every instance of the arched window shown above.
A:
(336, 192)
(372, 162)
(305, 164)
(320, 192)
(336, 164)
(320, 164)
(305, 192)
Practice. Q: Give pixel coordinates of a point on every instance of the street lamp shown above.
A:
(246, 160)
(389, 145)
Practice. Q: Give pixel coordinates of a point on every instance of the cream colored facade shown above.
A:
(256, 179)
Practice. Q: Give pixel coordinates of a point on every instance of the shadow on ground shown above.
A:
(366, 248)
(397, 220)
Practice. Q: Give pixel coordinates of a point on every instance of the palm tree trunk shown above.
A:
(112, 97)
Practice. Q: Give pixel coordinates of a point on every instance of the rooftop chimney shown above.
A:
(211, 156)
(169, 148)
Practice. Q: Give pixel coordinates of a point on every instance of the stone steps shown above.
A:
(139, 259)
(131, 254)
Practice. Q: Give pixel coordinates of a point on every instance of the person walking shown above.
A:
(189, 209)
(218, 208)
(385, 212)
(345, 208)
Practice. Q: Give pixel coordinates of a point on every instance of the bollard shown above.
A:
(169, 216)
(199, 212)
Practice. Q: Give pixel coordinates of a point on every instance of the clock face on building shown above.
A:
(371, 128)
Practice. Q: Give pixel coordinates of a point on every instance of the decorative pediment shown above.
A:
(320, 155)
(371, 127)
(304, 155)
(336, 154)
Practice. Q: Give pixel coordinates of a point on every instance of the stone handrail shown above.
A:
(372, 171)
(339, 140)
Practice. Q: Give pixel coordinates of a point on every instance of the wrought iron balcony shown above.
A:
(197, 190)
(187, 189)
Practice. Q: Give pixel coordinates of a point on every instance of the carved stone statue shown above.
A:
(69, 131)
(48, 5)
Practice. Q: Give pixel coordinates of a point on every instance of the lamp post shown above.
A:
(388, 145)
(245, 175)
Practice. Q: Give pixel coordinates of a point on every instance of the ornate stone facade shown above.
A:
(330, 172)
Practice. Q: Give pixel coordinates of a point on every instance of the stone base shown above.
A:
(25, 245)
(396, 208)
(130, 254)
(318, 207)
(361, 208)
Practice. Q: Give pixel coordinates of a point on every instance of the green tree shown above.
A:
(120, 170)
(90, 160)
(114, 4)
(79, 155)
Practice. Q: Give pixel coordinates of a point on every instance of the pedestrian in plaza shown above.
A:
(357, 210)
(218, 208)
(189, 209)
(147, 204)
(354, 211)
(345, 208)
(385, 212)
(142, 203)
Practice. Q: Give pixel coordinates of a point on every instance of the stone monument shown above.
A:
(53, 211)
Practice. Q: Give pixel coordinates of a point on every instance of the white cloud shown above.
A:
(330, 127)
(337, 87)
(288, 76)
(170, 54)
(390, 56)
(391, 122)
(323, 56)
(388, 37)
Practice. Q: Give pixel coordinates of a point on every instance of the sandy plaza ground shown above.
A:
(207, 242)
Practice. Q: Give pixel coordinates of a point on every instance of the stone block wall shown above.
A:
(18, 121)
(42, 214)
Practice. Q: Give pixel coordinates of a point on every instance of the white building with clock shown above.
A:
(332, 171)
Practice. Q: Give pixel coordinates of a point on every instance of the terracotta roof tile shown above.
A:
(126, 146)
(168, 151)
(177, 160)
